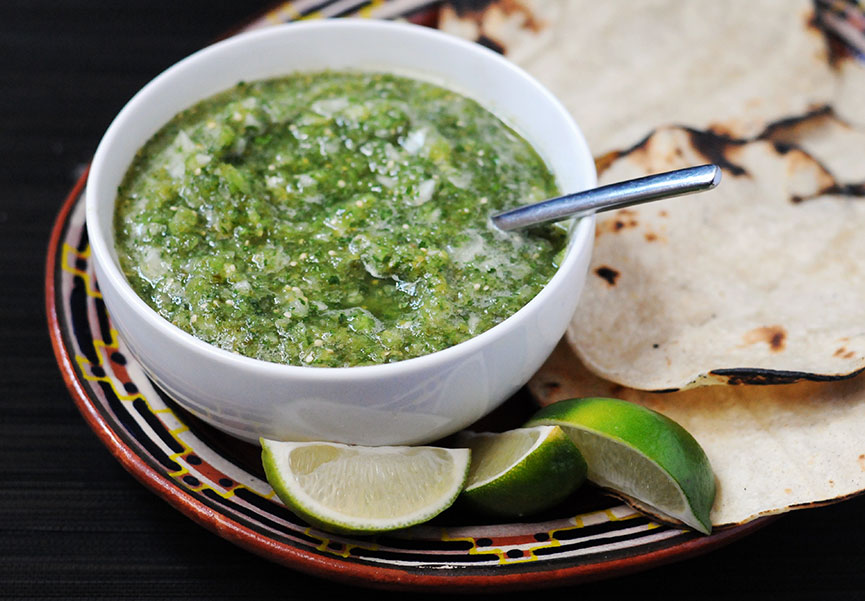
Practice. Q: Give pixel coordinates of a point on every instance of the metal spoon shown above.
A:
(612, 196)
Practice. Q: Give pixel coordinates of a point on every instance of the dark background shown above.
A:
(73, 523)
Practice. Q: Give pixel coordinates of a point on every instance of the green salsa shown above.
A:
(334, 219)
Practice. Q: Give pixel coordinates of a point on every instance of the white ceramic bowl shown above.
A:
(413, 401)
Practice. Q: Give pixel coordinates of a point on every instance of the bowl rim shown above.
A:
(580, 231)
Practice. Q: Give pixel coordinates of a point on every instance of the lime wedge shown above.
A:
(522, 471)
(354, 489)
(639, 454)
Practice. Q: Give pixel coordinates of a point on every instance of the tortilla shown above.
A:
(624, 69)
(759, 281)
(772, 448)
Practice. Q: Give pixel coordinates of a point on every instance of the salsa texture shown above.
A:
(334, 219)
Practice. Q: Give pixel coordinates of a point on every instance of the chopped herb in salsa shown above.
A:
(334, 219)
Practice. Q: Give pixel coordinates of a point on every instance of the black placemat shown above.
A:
(73, 523)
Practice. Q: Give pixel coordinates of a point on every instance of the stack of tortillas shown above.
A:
(744, 306)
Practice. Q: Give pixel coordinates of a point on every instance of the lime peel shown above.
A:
(360, 490)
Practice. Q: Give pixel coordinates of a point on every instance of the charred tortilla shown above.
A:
(759, 281)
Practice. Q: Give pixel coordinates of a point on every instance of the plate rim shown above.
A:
(319, 565)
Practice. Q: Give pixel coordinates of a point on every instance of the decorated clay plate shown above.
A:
(218, 481)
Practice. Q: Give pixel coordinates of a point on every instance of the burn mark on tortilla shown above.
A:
(776, 343)
(603, 162)
(785, 134)
(833, 189)
(811, 20)
(821, 503)
(844, 353)
(608, 274)
(779, 130)
(532, 23)
(623, 220)
(470, 7)
(485, 40)
(831, 23)
(477, 10)
(767, 377)
(853, 190)
(651, 236)
(715, 147)
(783, 148)
(474, 11)
(774, 336)
(641, 144)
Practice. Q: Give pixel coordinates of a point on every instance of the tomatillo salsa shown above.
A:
(334, 219)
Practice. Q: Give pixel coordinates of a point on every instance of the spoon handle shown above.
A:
(612, 196)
